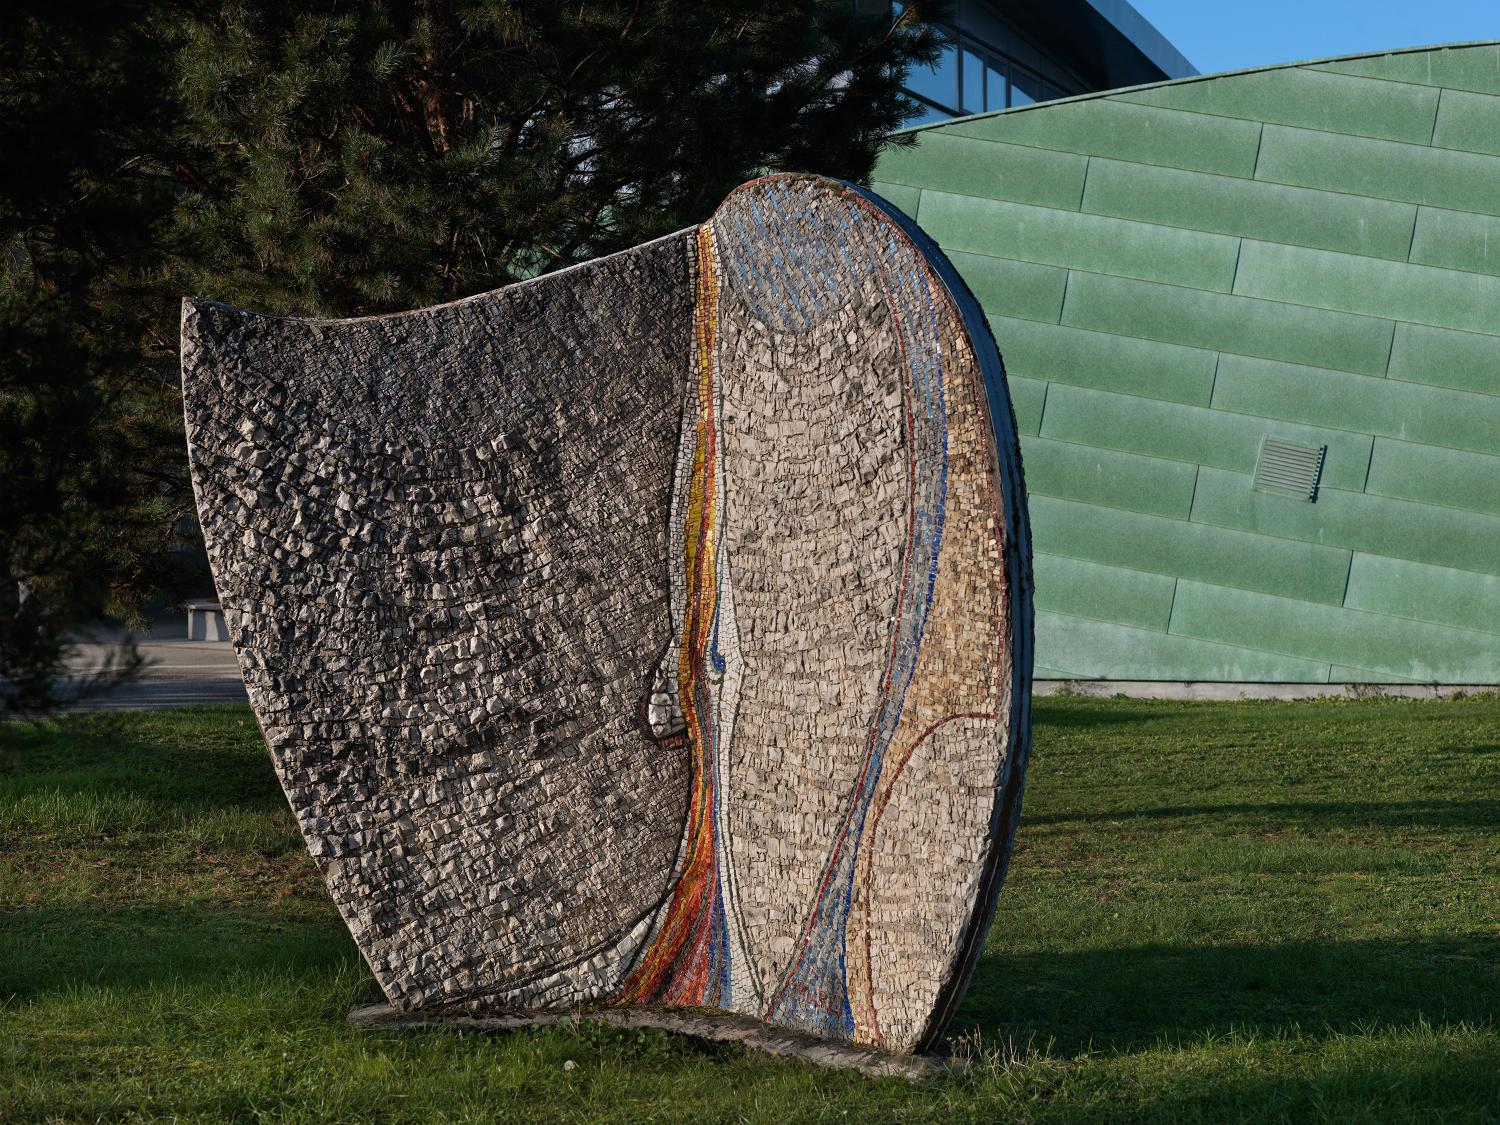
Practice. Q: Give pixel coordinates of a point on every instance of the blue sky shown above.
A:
(1220, 35)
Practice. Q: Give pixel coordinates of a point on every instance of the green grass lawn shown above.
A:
(1244, 911)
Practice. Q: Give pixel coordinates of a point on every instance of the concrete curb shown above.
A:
(1188, 689)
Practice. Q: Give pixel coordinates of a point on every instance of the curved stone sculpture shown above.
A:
(654, 632)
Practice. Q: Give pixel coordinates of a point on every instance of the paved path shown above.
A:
(182, 672)
(178, 671)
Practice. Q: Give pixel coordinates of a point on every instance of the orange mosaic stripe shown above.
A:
(677, 968)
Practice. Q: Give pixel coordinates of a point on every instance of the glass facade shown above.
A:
(972, 78)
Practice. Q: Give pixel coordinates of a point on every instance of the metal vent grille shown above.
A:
(1289, 468)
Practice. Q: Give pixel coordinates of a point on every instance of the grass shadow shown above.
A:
(1131, 998)
(1477, 812)
(1073, 713)
(150, 944)
(1410, 1074)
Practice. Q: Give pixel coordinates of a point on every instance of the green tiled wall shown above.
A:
(1174, 273)
(1307, 99)
(1457, 240)
(1474, 68)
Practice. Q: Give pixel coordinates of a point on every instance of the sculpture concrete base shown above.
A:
(718, 1027)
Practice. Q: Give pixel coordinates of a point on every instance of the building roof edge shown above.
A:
(1098, 94)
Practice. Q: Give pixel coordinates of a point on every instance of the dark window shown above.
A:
(994, 88)
(1025, 87)
(967, 78)
(938, 82)
(973, 75)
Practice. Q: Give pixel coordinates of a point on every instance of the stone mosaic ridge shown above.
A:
(716, 1027)
(1309, 253)
(656, 633)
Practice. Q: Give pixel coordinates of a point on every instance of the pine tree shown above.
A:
(355, 158)
(331, 157)
(91, 476)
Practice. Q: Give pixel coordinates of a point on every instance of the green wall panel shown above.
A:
(1023, 289)
(1468, 121)
(1201, 319)
(1110, 127)
(1415, 650)
(1389, 407)
(1347, 674)
(1463, 181)
(1104, 476)
(1104, 593)
(1078, 241)
(1252, 208)
(906, 198)
(1192, 433)
(945, 162)
(1455, 68)
(1355, 520)
(1425, 593)
(1393, 290)
(1190, 550)
(1098, 359)
(1310, 99)
(1466, 361)
(1434, 475)
(1456, 240)
(1028, 397)
(1174, 273)
(1097, 650)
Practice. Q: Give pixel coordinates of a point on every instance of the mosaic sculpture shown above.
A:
(655, 632)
